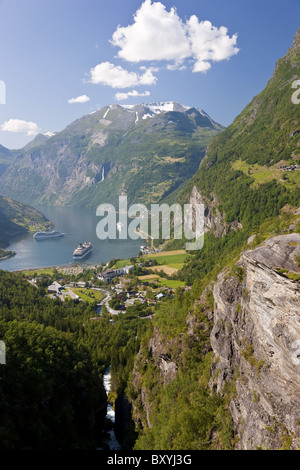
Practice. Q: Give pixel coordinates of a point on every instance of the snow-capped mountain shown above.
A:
(145, 151)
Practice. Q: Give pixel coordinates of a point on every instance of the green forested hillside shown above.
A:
(17, 219)
(247, 167)
(183, 412)
(244, 179)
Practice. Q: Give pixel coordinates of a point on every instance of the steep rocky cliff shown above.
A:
(165, 369)
(214, 220)
(235, 355)
(256, 338)
(17, 219)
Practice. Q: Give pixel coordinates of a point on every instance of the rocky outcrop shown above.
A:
(256, 339)
(159, 351)
(159, 358)
(214, 221)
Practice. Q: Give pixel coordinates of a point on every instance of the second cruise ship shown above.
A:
(48, 234)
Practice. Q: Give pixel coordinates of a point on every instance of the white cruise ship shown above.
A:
(48, 234)
(82, 250)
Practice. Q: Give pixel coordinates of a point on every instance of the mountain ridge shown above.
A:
(144, 151)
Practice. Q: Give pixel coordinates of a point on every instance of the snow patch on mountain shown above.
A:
(48, 134)
(158, 108)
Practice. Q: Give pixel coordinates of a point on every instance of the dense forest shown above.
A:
(51, 388)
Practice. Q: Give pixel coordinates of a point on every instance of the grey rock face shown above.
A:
(214, 221)
(256, 337)
(158, 350)
(158, 354)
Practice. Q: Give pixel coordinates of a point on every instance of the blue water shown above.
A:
(79, 226)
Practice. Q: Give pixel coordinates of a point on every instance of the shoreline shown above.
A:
(41, 268)
(7, 257)
(7, 254)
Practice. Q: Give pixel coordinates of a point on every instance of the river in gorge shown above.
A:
(110, 415)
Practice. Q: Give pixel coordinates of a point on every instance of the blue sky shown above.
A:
(62, 59)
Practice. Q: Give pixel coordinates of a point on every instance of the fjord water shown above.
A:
(79, 225)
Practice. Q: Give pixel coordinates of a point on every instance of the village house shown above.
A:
(112, 273)
(160, 296)
(107, 275)
(55, 288)
(81, 284)
(128, 268)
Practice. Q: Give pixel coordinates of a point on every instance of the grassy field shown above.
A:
(169, 258)
(170, 283)
(148, 277)
(168, 261)
(166, 269)
(38, 272)
(162, 282)
(89, 295)
(121, 263)
(263, 174)
(167, 254)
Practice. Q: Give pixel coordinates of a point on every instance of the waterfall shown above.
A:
(110, 415)
(103, 174)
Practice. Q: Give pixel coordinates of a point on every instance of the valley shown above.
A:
(202, 346)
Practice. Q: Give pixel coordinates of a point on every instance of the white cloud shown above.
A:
(79, 99)
(158, 34)
(209, 43)
(134, 93)
(18, 125)
(117, 77)
(176, 66)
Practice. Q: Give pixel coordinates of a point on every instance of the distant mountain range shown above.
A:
(146, 151)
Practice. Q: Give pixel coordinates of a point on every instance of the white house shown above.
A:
(128, 268)
(55, 288)
(111, 273)
(81, 284)
(160, 296)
